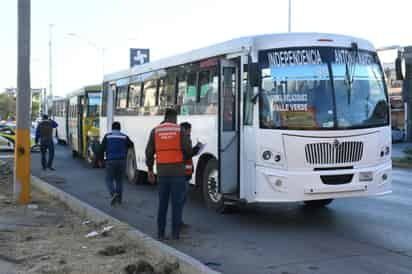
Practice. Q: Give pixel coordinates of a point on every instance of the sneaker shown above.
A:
(184, 226)
(114, 199)
(44, 169)
(161, 237)
(52, 169)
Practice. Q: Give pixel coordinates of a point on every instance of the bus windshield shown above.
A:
(322, 88)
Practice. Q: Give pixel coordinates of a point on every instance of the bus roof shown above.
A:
(259, 42)
(83, 90)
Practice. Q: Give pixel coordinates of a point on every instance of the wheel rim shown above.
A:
(213, 186)
(131, 166)
(89, 156)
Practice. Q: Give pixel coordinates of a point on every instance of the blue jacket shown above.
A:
(116, 144)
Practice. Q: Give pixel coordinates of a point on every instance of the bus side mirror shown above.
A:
(398, 68)
(254, 74)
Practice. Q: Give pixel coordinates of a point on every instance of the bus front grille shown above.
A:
(333, 153)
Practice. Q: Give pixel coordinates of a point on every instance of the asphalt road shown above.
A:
(356, 235)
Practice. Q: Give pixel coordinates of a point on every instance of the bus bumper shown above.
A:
(273, 185)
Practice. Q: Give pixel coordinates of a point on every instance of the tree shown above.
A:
(35, 108)
(7, 106)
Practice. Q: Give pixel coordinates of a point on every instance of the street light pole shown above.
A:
(23, 98)
(290, 16)
(50, 67)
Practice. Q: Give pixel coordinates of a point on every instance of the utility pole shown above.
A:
(23, 98)
(50, 68)
(290, 16)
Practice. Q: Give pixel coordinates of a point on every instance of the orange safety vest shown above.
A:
(168, 144)
(189, 167)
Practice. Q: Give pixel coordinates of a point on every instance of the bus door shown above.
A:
(80, 114)
(228, 128)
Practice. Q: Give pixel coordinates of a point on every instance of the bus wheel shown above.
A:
(131, 167)
(318, 203)
(210, 186)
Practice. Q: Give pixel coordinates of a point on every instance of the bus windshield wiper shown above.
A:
(350, 70)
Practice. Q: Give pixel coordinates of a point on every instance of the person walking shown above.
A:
(171, 146)
(187, 130)
(44, 136)
(115, 145)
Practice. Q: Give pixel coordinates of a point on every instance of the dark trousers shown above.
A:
(47, 145)
(114, 173)
(187, 187)
(174, 186)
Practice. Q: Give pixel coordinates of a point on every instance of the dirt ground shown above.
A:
(46, 237)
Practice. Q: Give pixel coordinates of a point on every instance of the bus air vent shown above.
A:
(333, 153)
(336, 179)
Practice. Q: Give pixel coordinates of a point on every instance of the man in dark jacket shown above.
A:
(187, 129)
(115, 144)
(44, 134)
(171, 146)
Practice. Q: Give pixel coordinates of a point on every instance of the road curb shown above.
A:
(156, 249)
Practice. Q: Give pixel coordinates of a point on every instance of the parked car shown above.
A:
(8, 138)
(398, 135)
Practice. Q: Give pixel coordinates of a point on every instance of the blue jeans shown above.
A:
(186, 194)
(174, 186)
(114, 173)
(47, 145)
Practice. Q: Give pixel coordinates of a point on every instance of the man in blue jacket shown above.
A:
(115, 144)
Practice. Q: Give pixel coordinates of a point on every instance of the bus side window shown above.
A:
(181, 90)
(149, 96)
(189, 95)
(135, 97)
(166, 94)
(121, 98)
(208, 92)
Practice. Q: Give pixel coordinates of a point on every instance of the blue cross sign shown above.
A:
(139, 57)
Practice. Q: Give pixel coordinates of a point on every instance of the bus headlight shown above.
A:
(365, 176)
(266, 155)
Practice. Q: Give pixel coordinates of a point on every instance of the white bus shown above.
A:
(285, 117)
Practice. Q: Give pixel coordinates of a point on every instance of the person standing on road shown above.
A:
(187, 130)
(171, 146)
(44, 134)
(115, 144)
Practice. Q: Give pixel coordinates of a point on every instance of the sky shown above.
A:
(82, 28)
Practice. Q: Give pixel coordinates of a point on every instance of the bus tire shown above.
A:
(132, 173)
(318, 203)
(91, 157)
(212, 198)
